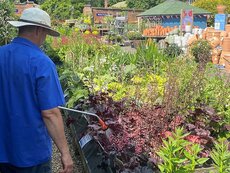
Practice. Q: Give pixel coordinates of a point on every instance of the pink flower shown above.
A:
(193, 139)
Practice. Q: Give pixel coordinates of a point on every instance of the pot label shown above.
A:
(84, 140)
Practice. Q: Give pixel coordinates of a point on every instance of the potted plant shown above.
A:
(135, 37)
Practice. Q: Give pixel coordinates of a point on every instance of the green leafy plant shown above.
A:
(73, 86)
(173, 50)
(178, 154)
(150, 58)
(134, 35)
(221, 156)
(201, 50)
(6, 13)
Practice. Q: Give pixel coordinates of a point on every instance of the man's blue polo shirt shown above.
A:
(28, 84)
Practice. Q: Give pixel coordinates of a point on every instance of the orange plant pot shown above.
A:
(227, 62)
(215, 59)
(223, 34)
(213, 33)
(222, 60)
(227, 28)
(214, 42)
(225, 43)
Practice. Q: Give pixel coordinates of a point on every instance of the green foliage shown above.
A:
(63, 9)
(51, 52)
(148, 57)
(112, 2)
(35, 1)
(173, 50)
(221, 156)
(216, 92)
(74, 87)
(211, 5)
(179, 155)
(201, 50)
(6, 13)
(188, 87)
(144, 4)
(147, 76)
(134, 35)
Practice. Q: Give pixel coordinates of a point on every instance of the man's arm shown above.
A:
(54, 123)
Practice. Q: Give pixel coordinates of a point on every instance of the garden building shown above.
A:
(169, 12)
(19, 7)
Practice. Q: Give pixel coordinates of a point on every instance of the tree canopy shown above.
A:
(143, 4)
(6, 14)
(63, 9)
(210, 5)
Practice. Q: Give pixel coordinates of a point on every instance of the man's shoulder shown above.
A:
(41, 59)
(4, 47)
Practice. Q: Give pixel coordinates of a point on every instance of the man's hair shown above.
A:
(26, 29)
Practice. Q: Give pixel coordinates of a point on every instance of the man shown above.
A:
(30, 94)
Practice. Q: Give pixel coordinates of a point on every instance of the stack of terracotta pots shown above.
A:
(220, 43)
(214, 37)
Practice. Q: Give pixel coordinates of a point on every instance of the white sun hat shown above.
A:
(35, 17)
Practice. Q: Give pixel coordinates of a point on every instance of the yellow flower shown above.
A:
(95, 32)
(87, 32)
(77, 29)
(137, 80)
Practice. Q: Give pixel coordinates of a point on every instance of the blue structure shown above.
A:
(199, 20)
(168, 14)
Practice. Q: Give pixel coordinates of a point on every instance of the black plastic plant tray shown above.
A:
(94, 158)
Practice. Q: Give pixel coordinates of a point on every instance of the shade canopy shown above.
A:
(172, 7)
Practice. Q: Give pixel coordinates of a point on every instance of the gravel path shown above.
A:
(56, 162)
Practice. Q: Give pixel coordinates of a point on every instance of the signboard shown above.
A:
(220, 21)
(102, 14)
(186, 20)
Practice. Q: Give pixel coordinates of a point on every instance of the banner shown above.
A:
(220, 21)
(186, 20)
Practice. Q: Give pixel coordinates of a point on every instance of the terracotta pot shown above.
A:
(209, 29)
(192, 39)
(216, 51)
(222, 60)
(225, 43)
(227, 28)
(215, 59)
(204, 35)
(227, 62)
(213, 33)
(223, 34)
(221, 9)
(214, 42)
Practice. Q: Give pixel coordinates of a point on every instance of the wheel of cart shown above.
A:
(93, 155)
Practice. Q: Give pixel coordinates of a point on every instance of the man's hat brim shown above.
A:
(21, 23)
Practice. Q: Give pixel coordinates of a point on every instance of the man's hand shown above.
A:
(54, 123)
(67, 163)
